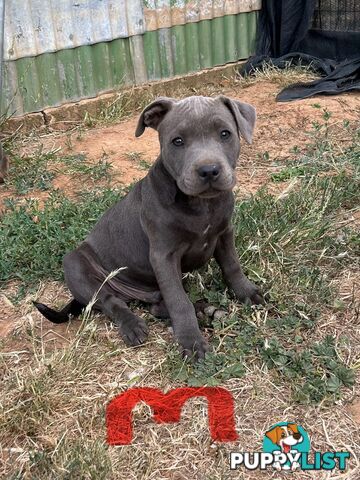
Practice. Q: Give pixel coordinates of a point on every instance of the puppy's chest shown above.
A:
(204, 234)
(200, 246)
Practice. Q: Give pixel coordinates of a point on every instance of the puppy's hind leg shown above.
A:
(84, 276)
(132, 328)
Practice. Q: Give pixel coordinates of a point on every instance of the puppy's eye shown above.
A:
(283, 435)
(178, 142)
(225, 134)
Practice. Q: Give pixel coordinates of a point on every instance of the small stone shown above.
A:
(209, 311)
(136, 373)
(219, 314)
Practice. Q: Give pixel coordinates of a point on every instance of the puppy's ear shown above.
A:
(244, 114)
(153, 114)
(293, 427)
(274, 434)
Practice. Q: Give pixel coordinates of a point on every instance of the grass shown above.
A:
(138, 157)
(281, 76)
(37, 171)
(296, 356)
(35, 237)
(36, 403)
(77, 165)
(122, 107)
(330, 149)
(128, 102)
(31, 172)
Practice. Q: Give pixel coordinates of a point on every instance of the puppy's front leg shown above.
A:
(226, 256)
(167, 270)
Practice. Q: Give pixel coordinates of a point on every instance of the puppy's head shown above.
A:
(285, 436)
(200, 140)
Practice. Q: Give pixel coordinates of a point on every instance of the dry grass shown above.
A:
(52, 420)
(282, 77)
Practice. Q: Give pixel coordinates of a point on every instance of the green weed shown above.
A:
(37, 171)
(31, 172)
(138, 157)
(72, 458)
(77, 164)
(289, 173)
(324, 153)
(144, 165)
(312, 368)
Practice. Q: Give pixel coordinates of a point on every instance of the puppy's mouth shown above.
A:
(286, 448)
(209, 190)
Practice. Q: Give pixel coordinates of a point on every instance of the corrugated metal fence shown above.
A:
(56, 51)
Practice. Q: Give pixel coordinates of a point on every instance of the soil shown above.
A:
(8, 316)
(354, 410)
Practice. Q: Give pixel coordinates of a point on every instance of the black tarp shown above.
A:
(323, 34)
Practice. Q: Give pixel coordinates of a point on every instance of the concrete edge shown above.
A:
(69, 115)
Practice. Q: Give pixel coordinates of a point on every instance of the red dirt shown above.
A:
(280, 127)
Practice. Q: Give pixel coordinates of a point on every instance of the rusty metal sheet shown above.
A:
(34, 27)
(167, 13)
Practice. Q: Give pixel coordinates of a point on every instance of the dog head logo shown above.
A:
(285, 436)
(288, 441)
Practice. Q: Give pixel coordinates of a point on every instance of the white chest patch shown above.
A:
(206, 229)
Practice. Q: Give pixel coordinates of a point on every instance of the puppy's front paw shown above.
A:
(193, 345)
(133, 330)
(250, 294)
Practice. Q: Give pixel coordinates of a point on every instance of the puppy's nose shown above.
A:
(209, 172)
(297, 435)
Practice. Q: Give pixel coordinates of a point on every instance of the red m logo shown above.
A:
(167, 409)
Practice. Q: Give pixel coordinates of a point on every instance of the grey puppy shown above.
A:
(173, 221)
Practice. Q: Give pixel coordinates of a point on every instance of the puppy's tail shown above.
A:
(73, 308)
